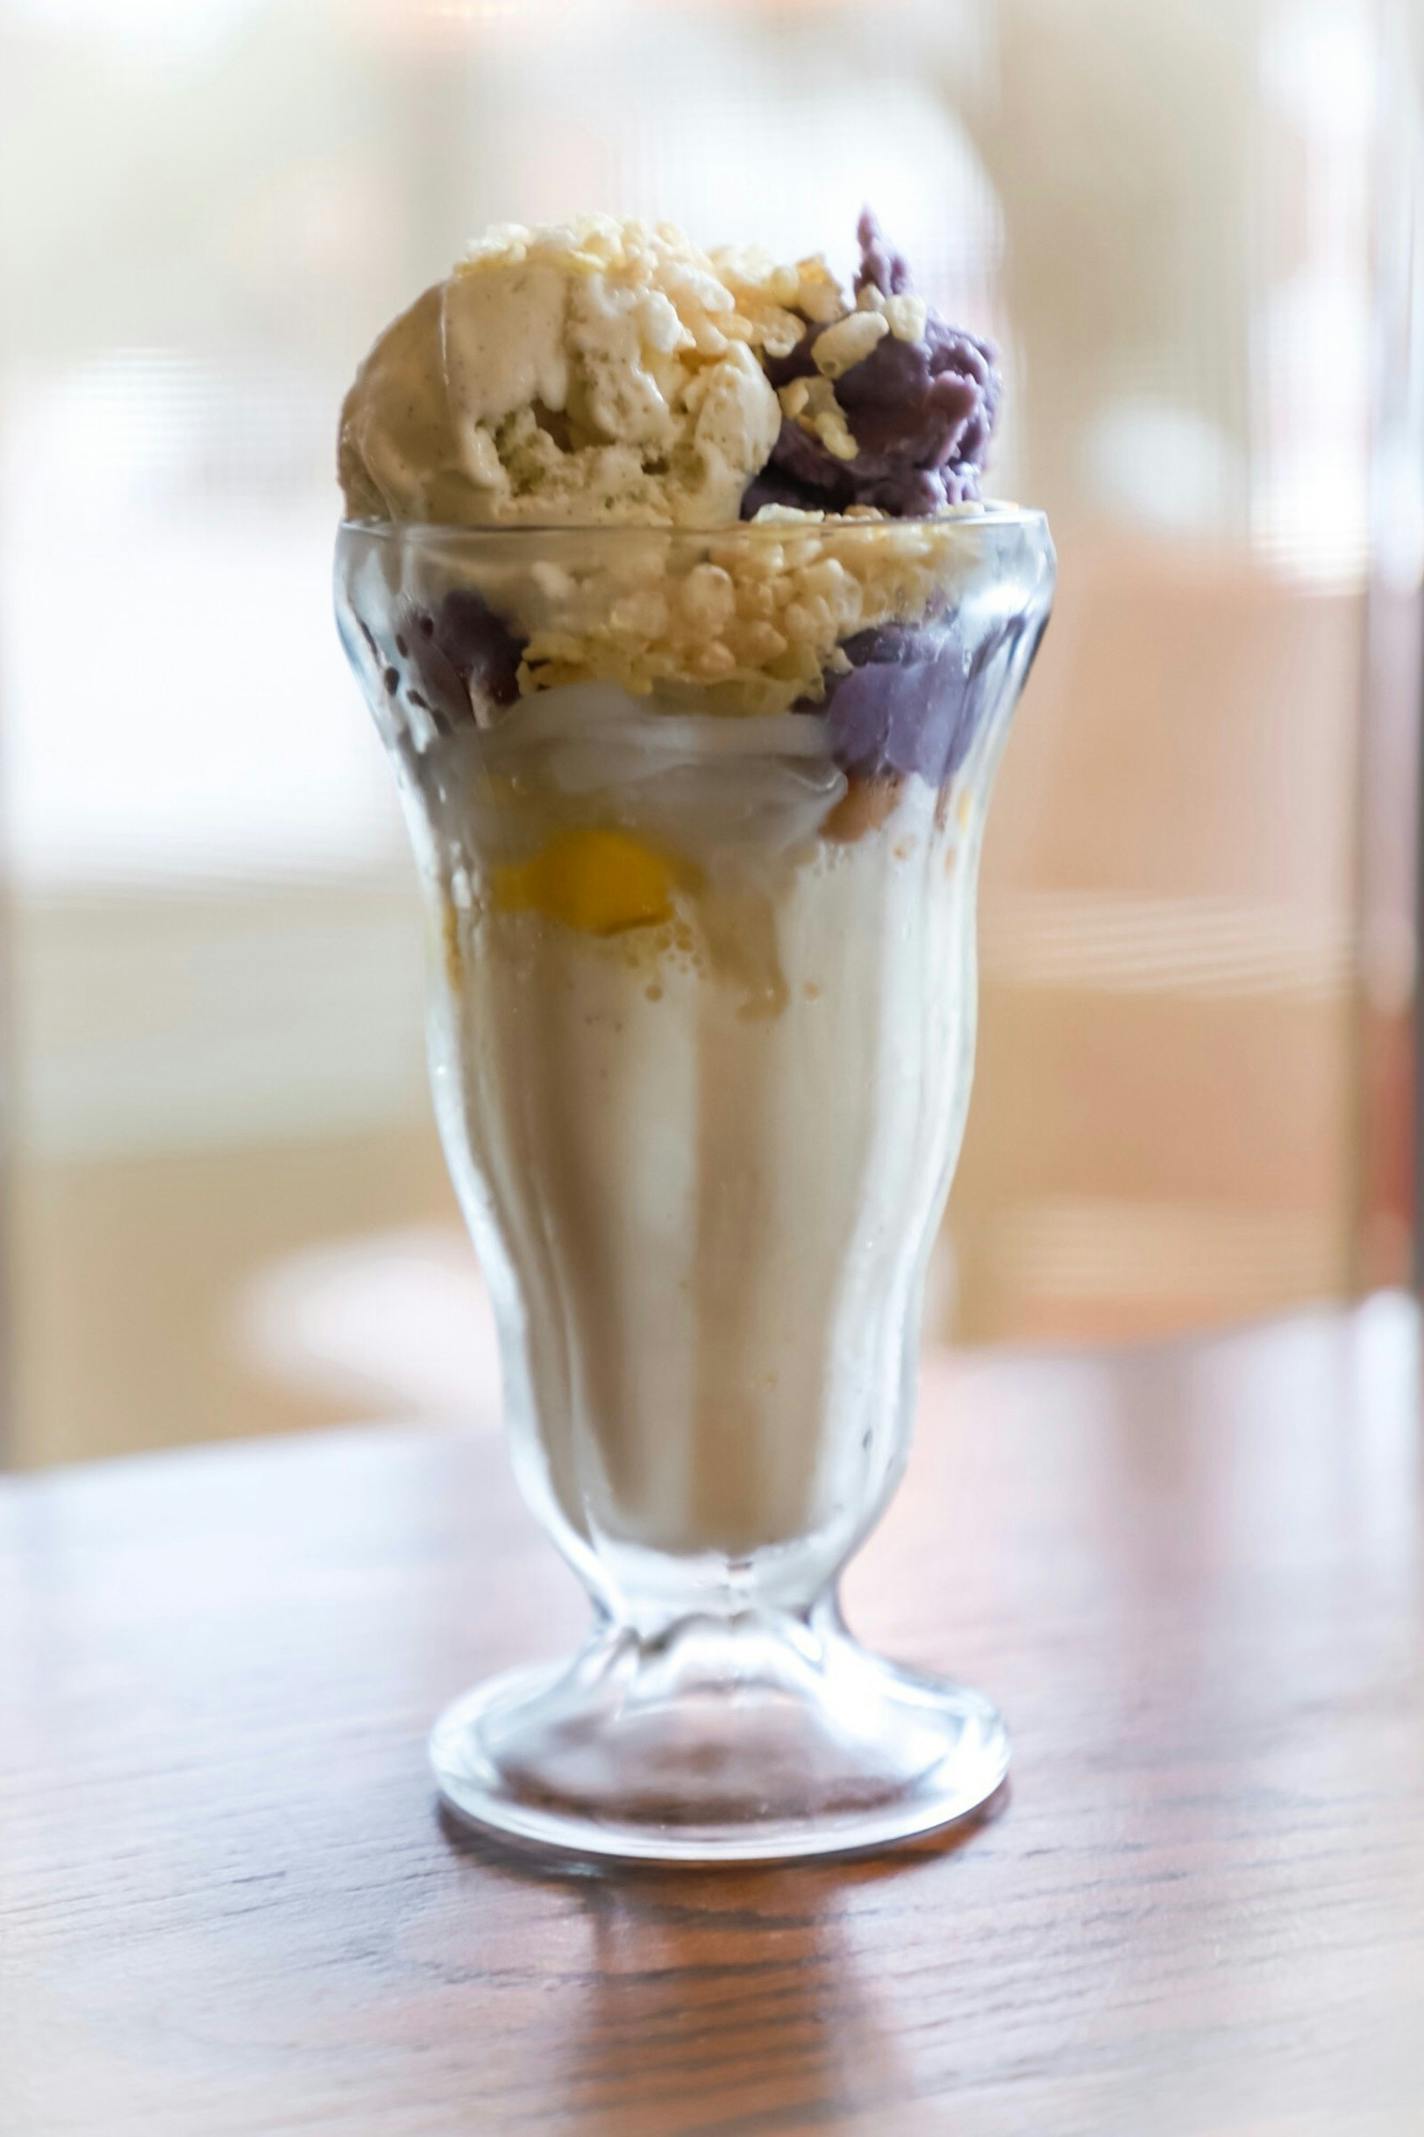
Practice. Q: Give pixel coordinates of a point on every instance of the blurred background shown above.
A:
(1190, 224)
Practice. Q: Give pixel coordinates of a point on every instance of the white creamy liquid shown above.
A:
(704, 1201)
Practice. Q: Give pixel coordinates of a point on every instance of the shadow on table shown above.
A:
(706, 1997)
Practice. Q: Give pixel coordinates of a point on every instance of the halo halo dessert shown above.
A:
(667, 577)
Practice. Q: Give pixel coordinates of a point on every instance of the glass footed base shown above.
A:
(723, 1740)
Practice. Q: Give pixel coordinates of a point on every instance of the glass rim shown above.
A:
(418, 533)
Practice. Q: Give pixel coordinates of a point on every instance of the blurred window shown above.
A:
(1189, 225)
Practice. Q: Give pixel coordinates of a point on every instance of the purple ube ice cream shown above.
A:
(922, 412)
(915, 695)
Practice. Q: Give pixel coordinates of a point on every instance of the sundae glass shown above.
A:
(695, 680)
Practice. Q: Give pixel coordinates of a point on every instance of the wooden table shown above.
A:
(1194, 1577)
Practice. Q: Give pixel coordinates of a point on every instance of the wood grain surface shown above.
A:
(1194, 1578)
